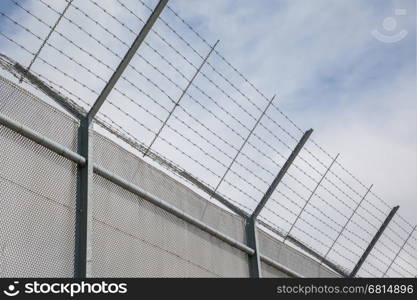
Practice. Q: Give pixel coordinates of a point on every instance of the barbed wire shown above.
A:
(365, 219)
(326, 179)
(136, 120)
(248, 157)
(286, 117)
(119, 131)
(276, 107)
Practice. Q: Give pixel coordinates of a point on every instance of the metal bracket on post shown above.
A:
(399, 251)
(373, 242)
(251, 231)
(180, 98)
(83, 241)
(281, 173)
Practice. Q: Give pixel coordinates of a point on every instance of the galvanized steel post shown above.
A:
(83, 240)
(252, 242)
(83, 228)
(399, 251)
(281, 173)
(251, 228)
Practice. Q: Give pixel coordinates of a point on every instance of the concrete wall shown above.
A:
(131, 237)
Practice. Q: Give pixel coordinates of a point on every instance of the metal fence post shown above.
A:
(252, 242)
(373, 242)
(126, 59)
(83, 227)
(281, 173)
(251, 232)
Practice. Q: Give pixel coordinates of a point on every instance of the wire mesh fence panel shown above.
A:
(171, 242)
(38, 189)
(28, 110)
(133, 237)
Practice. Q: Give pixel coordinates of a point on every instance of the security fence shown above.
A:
(154, 85)
(144, 223)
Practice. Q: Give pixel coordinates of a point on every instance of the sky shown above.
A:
(331, 74)
(328, 63)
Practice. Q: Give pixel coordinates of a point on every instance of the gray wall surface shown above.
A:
(131, 236)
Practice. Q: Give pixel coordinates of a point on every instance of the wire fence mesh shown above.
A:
(223, 131)
(37, 222)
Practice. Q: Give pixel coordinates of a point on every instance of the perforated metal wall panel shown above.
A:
(133, 237)
(37, 214)
(287, 256)
(37, 189)
(269, 271)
